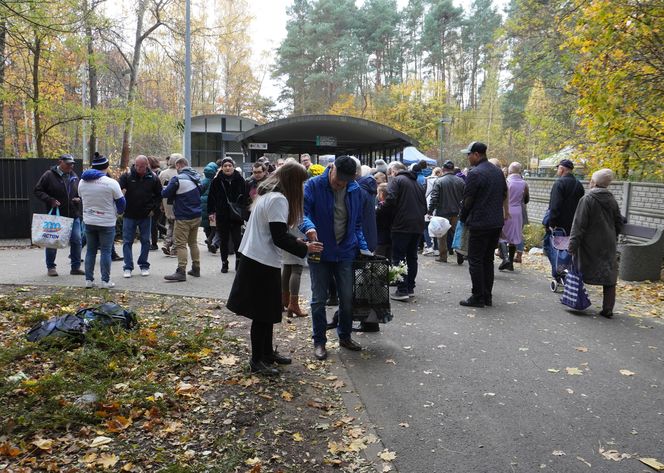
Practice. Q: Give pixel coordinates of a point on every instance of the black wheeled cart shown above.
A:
(371, 289)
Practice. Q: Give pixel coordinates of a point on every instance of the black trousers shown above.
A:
(481, 246)
(226, 231)
(261, 339)
(154, 230)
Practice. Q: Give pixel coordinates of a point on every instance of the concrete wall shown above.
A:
(641, 202)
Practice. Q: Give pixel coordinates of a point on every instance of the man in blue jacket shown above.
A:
(184, 190)
(482, 214)
(333, 216)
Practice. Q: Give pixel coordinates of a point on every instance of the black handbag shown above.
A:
(236, 211)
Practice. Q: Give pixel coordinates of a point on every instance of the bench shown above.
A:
(641, 253)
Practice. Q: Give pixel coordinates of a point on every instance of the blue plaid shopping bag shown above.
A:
(575, 295)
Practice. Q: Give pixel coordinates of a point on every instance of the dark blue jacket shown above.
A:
(319, 215)
(406, 202)
(142, 193)
(566, 193)
(483, 197)
(184, 190)
(368, 186)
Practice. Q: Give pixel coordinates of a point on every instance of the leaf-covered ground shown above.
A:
(635, 299)
(174, 395)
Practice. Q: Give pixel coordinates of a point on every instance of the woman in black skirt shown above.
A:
(278, 207)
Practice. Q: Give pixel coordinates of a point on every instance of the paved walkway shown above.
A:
(27, 266)
(520, 387)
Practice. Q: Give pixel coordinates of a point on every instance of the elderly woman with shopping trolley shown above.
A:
(597, 223)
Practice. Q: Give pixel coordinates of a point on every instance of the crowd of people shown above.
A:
(292, 214)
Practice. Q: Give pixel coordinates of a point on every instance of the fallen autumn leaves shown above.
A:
(635, 299)
(174, 395)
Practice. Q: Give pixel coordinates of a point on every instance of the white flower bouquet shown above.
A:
(397, 272)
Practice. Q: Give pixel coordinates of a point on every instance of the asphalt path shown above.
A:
(453, 389)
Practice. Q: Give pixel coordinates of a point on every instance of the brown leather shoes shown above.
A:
(350, 344)
(320, 352)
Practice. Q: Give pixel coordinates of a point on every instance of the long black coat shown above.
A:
(223, 190)
(597, 223)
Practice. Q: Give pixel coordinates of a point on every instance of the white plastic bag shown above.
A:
(438, 227)
(51, 231)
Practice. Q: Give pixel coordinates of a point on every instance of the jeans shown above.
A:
(404, 248)
(321, 274)
(99, 238)
(128, 231)
(427, 238)
(74, 248)
(481, 245)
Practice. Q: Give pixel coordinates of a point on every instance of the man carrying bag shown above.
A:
(58, 188)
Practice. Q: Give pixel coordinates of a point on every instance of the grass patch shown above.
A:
(58, 377)
(173, 395)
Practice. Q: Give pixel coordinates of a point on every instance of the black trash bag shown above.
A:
(69, 326)
(76, 325)
(108, 314)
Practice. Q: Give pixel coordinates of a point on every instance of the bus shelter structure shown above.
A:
(321, 135)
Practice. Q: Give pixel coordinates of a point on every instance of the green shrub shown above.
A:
(533, 234)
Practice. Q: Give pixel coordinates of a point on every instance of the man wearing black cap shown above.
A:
(333, 216)
(445, 201)
(565, 195)
(482, 214)
(58, 188)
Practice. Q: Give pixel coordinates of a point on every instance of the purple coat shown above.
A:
(518, 195)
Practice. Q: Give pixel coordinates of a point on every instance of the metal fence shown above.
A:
(18, 178)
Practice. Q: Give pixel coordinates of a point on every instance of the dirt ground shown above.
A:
(175, 394)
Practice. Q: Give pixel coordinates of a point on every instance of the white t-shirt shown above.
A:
(98, 197)
(257, 242)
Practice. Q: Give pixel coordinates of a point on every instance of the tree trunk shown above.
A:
(92, 85)
(3, 36)
(35, 98)
(131, 91)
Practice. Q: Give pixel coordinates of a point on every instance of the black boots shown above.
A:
(507, 256)
(224, 266)
(177, 276)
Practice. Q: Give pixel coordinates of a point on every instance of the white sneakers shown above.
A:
(89, 284)
(107, 284)
(145, 272)
(126, 273)
(428, 250)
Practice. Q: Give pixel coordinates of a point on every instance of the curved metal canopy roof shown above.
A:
(325, 134)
